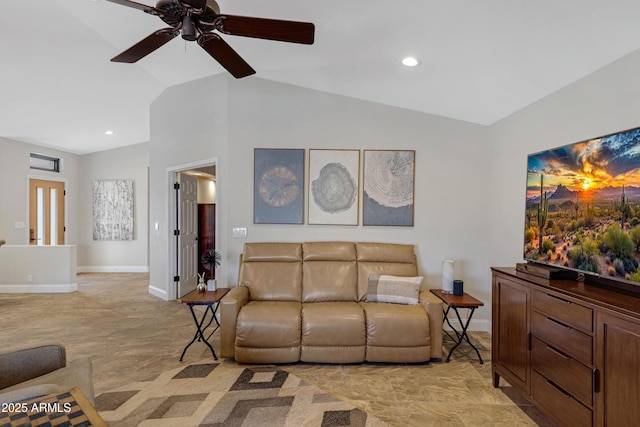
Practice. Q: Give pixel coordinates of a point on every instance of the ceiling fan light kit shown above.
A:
(201, 21)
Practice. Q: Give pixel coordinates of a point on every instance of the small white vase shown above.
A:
(211, 284)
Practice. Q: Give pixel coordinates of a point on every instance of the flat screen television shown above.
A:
(583, 207)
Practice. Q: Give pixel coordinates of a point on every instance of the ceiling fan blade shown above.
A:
(225, 55)
(143, 7)
(270, 29)
(147, 45)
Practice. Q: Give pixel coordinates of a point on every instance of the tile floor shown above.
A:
(131, 336)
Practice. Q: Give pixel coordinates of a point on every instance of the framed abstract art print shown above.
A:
(334, 186)
(278, 186)
(388, 187)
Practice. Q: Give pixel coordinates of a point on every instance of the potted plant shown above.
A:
(211, 260)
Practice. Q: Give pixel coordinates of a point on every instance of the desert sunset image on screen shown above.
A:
(583, 206)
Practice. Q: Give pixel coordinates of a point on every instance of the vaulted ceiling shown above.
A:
(480, 61)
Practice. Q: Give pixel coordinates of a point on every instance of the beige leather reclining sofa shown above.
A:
(309, 302)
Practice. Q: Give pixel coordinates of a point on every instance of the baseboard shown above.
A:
(114, 269)
(479, 325)
(38, 288)
(157, 292)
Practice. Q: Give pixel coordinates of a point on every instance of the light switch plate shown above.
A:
(239, 232)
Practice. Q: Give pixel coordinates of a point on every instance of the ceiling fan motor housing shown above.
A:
(175, 10)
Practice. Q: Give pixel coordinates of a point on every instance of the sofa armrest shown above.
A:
(78, 373)
(25, 364)
(433, 305)
(231, 304)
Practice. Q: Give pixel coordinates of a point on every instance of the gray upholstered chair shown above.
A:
(42, 370)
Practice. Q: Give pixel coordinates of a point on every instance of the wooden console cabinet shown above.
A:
(572, 349)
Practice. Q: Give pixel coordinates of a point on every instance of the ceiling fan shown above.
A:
(198, 20)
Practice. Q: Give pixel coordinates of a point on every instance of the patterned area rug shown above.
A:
(219, 394)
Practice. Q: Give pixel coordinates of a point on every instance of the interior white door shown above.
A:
(188, 234)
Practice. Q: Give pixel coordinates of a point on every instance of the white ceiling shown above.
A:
(481, 60)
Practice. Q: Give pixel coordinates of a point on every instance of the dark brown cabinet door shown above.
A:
(511, 328)
(206, 235)
(617, 361)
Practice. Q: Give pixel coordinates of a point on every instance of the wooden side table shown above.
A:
(212, 300)
(456, 302)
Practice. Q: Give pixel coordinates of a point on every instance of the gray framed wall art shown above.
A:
(388, 196)
(334, 186)
(278, 186)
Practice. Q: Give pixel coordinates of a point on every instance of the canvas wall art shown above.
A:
(278, 186)
(388, 187)
(113, 209)
(334, 186)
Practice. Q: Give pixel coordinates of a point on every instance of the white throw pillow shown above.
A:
(394, 289)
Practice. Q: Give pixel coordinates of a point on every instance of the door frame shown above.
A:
(172, 254)
(27, 184)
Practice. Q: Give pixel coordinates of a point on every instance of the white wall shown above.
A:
(188, 125)
(78, 173)
(469, 179)
(14, 189)
(30, 269)
(451, 170)
(206, 191)
(451, 162)
(603, 102)
(130, 162)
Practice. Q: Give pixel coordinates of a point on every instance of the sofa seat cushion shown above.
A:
(333, 332)
(268, 332)
(269, 324)
(333, 323)
(397, 333)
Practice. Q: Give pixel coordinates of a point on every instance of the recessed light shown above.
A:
(108, 132)
(410, 61)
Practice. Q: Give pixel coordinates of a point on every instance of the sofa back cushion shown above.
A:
(330, 272)
(383, 259)
(272, 271)
(320, 271)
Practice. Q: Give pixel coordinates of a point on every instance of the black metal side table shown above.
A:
(456, 302)
(212, 300)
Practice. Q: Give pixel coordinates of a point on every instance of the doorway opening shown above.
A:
(195, 224)
(46, 212)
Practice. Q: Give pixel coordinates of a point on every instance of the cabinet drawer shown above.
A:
(557, 403)
(567, 312)
(569, 374)
(566, 339)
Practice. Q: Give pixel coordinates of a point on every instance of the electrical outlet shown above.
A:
(239, 232)
(29, 278)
